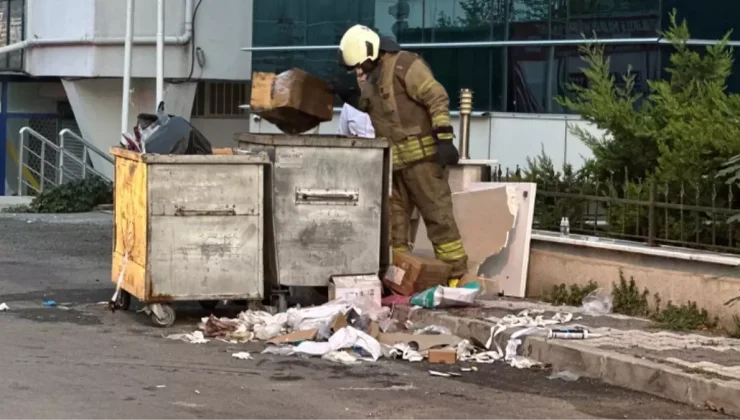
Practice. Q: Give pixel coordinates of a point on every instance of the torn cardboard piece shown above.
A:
(293, 100)
(442, 356)
(420, 343)
(294, 337)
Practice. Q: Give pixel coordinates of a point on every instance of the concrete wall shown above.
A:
(709, 281)
(506, 137)
(220, 131)
(222, 27)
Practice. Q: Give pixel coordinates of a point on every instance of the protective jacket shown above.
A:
(406, 103)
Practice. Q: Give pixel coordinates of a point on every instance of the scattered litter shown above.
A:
(433, 329)
(64, 308)
(442, 356)
(446, 297)
(402, 351)
(294, 337)
(565, 375)
(341, 357)
(197, 392)
(469, 369)
(161, 386)
(486, 357)
(420, 343)
(49, 303)
(345, 338)
(597, 303)
(569, 334)
(279, 350)
(4, 307)
(521, 362)
(192, 338)
(242, 355)
(394, 300)
(443, 374)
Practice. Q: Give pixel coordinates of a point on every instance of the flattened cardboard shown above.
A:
(442, 356)
(340, 321)
(295, 337)
(422, 342)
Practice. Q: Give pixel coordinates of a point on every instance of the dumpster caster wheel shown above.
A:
(167, 318)
(123, 301)
(208, 305)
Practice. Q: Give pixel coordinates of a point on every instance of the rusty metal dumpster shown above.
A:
(328, 203)
(188, 228)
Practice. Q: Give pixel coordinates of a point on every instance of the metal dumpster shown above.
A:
(329, 206)
(188, 228)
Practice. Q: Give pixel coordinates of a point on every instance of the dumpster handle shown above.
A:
(185, 213)
(327, 197)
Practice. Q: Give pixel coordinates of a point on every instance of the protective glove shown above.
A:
(447, 153)
(346, 94)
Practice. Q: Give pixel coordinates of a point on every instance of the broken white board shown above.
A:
(495, 222)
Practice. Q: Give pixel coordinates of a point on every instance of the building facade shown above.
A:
(516, 56)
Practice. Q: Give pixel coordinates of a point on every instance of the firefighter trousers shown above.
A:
(424, 185)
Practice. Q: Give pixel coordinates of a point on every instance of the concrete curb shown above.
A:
(611, 367)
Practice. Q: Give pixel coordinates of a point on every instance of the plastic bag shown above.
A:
(446, 297)
(598, 302)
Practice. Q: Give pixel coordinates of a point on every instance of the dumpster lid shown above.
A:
(309, 140)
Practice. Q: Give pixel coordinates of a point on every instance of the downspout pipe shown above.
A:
(160, 54)
(181, 39)
(127, 55)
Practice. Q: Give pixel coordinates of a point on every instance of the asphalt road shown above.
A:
(85, 362)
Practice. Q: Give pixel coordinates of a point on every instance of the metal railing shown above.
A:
(694, 215)
(57, 163)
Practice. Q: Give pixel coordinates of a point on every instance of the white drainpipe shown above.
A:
(160, 54)
(127, 53)
(182, 39)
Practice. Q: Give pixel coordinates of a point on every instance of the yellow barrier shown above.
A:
(27, 174)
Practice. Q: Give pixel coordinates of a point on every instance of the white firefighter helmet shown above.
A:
(358, 45)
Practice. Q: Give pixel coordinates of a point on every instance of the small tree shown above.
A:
(684, 129)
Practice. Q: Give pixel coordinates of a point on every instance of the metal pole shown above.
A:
(127, 53)
(466, 107)
(160, 53)
(43, 165)
(20, 163)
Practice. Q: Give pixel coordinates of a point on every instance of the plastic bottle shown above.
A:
(567, 227)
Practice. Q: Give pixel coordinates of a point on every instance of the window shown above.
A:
(11, 31)
(221, 99)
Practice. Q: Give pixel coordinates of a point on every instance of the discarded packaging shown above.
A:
(341, 357)
(446, 297)
(402, 351)
(420, 343)
(279, 350)
(243, 355)
(345, 338)
(294, 337)
(597, 303)
(193, 338)
(433, 329)
(4, 307)
(443, 356)
(351, 288)
(293, 100)
(565, 375)
(49, 303)
(443, 374)
(568, 334)
(411, 273)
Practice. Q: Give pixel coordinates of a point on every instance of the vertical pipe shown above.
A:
(43, 166)
(466, 107)
(127, 53)
(160, 53)
(21, 146)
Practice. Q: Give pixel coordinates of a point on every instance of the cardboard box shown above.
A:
(352, 287)
(412, 273)
(443, 356)
(293, 100)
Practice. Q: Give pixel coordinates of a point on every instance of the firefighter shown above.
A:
(409, 107)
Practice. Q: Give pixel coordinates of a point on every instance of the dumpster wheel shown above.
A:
(167, 319)
(123, 301)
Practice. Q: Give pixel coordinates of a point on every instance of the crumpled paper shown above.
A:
(193, 338)
(345, 338)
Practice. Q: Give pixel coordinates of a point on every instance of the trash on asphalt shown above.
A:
(193, 338)
(49, 303)
(597, 303)
(242, 355)
(568, 333)
(4, 307)
(443, 374)
(565, 375)
(433, 329)
(442, 356)
(279, 350)
(341, 357)
(469, 369)
(294, 337)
